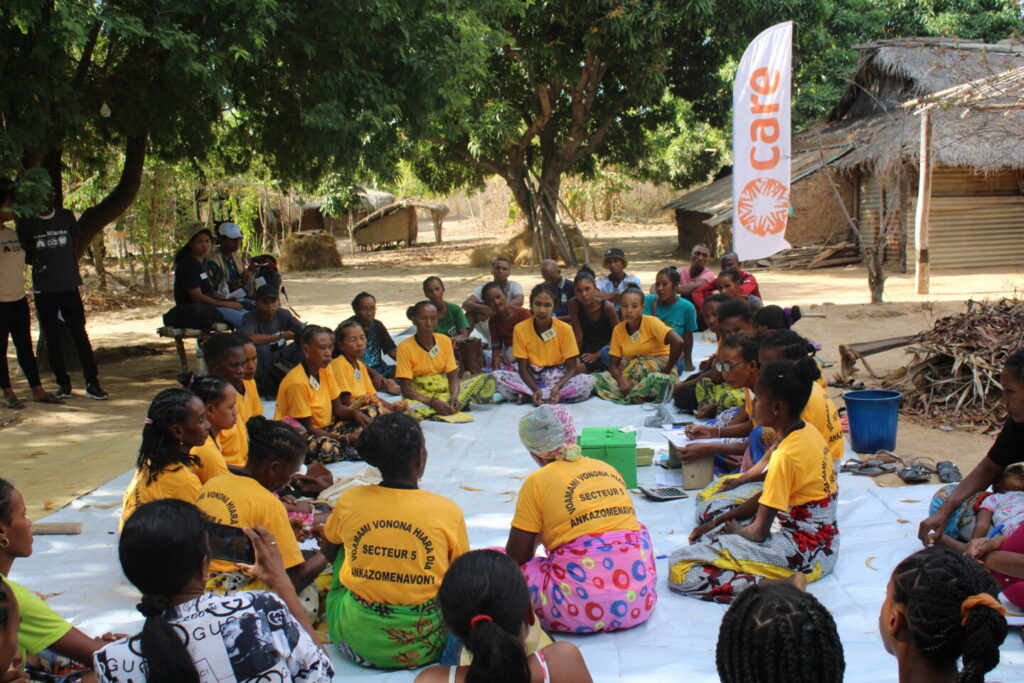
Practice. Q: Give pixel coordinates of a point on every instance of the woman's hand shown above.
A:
(589, 358)
(689, 366)
(363, 419)
(702, 431)
(701, 530)
(931, 528)
(624, 386)
(269, 567)
(400, 406)
(706, 410)
(538, 397)
(441, 408)
(555, 394)
(730, 484)
(977, 552)
(734, 527)
(692, 451)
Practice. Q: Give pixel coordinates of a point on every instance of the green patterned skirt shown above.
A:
(647, 380)
(478, 389)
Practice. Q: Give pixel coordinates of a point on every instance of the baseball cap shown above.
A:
(230, 230)
(614, 253)
(265, 292)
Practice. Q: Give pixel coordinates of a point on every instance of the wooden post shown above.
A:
(924, 200)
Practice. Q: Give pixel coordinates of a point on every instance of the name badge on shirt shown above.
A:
(635, 337)
(357, 375)
(314, 382)
(203, 276)
(548, 335)
(434, 351)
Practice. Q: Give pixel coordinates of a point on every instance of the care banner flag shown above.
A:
(760, 144)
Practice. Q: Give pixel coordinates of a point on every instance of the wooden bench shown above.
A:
(179, 335)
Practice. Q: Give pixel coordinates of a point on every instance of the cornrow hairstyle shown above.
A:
(932, 585)
(162, 547)
(391, 443)
(6, 494)
(584, 273)
(545, 288)
(488, 287)
(788, 381)
(271, 440)
(748, 344)
(209, 388)
(1016, 363)
(6, 598)
(734, 308)
(430, 279)
(633, 290)
(776, 633)
(671, 272)
(732, 274)
(772, 317)
(359, 297)
(415, 309)
(792, 347)
(489, 584)
(221, 343)
(158, 449)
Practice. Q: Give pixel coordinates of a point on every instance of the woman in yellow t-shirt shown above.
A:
(599, 573)
(220, 407)
(426, 370)
(227, 356)
(353, 377)
(310, 395)
(175, 424)
(728, 555)
(545, 350)
(248, 499)
(391, 545)
(643, 351)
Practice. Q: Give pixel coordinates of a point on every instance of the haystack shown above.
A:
(520, 250)
(309, 251)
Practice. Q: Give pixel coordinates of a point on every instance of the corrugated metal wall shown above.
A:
(969, 230)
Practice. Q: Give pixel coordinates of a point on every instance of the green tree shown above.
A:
(565, 87)
(308, 86)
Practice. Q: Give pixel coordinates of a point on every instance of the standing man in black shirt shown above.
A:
(49, 241)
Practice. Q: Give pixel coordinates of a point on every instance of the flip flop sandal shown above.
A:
(49, 398)
(863, 468)
(948, 472)
(916, 474)
(14, 403)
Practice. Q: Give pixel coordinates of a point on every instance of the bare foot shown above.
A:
(797, 580)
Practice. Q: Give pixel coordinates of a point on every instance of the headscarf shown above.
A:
(549, 433)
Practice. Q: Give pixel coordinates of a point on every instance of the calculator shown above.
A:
(666, 493)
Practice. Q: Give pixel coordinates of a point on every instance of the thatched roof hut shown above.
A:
(398, 222)
(870, 142)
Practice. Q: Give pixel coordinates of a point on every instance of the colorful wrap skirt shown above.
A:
(597, 582)
(711, 502)
(719, 567)
(646, 375)
(381, 636)
(328, 449)
(722, 394)
(312, 597)
(512, 386)
(478, 389)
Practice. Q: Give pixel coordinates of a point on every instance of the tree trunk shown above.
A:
(107, 210)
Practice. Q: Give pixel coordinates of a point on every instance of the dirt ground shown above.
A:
(57, 453)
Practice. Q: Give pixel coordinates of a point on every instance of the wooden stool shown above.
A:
(180, 334)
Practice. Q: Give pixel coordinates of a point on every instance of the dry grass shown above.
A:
(309, 252)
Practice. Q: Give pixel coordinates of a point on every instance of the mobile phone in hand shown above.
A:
(230, 543)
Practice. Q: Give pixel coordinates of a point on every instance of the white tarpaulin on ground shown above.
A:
(480, 465)
(760, 144)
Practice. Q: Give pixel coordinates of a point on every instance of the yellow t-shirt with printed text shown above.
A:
(241, 501)
(298, 397)
(820, 412)
(800, 471)
(234, 442)
(397, 544)
(565, 500)
(545, 353)
(177, 481)
(353, 380)
(414, 361)
(211, 461)
(648, 340)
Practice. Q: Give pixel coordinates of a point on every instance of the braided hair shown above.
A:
(634, 291)
(271, 440)
(748, 344)
(209, 388)
(415, 309)
(734, 308)
(790, 382)
(778, 633)
(483, 598)
(772, 317)
(584, 273)
(672, 273)
(391, 443)
(162, 547)
(159, 450)
(6, 496)
(545, 288)
(221, 343)
(932, 584)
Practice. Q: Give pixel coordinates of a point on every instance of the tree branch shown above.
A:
(460, 150)
(108, 209)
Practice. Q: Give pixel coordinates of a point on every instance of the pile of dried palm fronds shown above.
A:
(954, 377)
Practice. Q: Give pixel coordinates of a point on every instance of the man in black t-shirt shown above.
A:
(49, 242)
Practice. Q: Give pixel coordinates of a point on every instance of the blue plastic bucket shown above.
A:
(874, 416)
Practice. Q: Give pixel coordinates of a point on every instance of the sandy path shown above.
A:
(55, 454)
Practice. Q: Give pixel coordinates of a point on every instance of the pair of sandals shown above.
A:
(917, 470)
(15, 403)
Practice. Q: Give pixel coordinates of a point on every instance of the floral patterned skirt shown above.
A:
(720, 566)
(478, 389)
(597, 582)
(512, 386)
(646, 375)
(328, 449)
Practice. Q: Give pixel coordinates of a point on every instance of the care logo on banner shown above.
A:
(761, 144)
